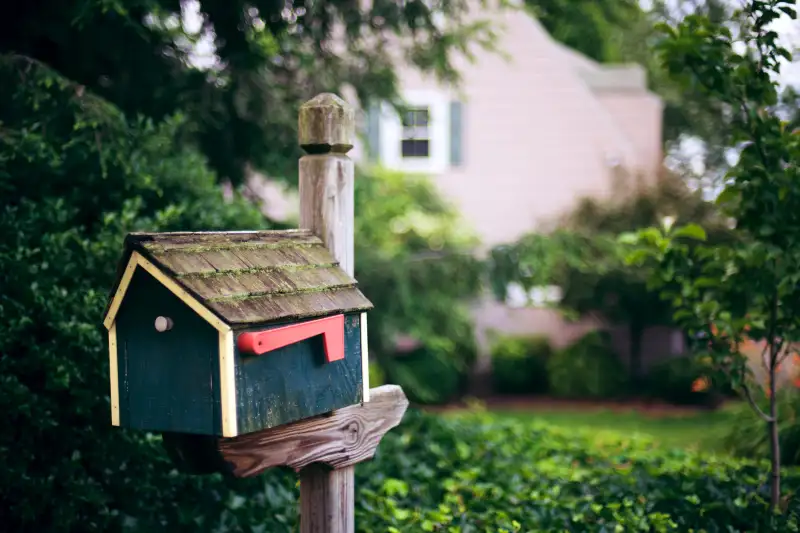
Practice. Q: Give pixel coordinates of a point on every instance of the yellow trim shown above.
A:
(113, 373)
(138, 260)
(227, 382)
(120, 294)
(364, 357)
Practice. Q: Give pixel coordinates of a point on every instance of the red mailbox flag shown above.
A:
(331, 328)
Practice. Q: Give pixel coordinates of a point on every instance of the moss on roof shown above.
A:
(253, 277)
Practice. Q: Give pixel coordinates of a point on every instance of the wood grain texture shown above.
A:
(323, 500)
(113, 374)
(326, 203)
(187, 239)
(326, 123)
(227, 384)
(327, 189)
(232, 281)
(343, 438)
(119, 293)
(295, 382)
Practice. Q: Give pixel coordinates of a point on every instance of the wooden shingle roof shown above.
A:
(252, 277)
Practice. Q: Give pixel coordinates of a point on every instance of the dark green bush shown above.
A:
(75, 176)
(519, 364)
(479, 474)
(672, 380)
(427, 376)
(749, 437)
(589, 368)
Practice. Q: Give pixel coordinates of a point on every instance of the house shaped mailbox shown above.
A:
(226, 333)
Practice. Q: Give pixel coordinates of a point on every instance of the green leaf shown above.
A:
(691, 231)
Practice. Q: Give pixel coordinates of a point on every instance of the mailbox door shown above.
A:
(297, 381)
(169, 380)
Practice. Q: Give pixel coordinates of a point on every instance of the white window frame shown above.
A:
(416, 132)
(391, 137)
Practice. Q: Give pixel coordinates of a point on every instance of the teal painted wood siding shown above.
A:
(295, 382)
(456, 133)
(168, 381)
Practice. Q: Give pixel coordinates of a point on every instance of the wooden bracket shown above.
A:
(339, 439)
(331, 329)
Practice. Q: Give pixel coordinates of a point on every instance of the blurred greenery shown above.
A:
(685, 380)
(519, 364)
(749, 437)
(583, 257)
(240, 111)
(702, 430)
(746, 289)
(488, 473)
(589, 368)
(414, 261)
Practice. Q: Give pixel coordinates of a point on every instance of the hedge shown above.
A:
(519, 364)
(589, 368)
(472, 473)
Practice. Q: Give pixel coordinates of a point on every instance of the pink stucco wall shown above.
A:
(536, 136)
(639, 115)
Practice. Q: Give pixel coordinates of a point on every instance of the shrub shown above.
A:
(477, 473)
(377, 376)
(684, 380)
(427, 376)
(749, 437)
(519, 364)
(75, 176)
(412, 262)
(587, 369)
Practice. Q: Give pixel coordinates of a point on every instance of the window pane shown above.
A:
(408, 148)
(415, 148)
(408, 118)
(415, 141)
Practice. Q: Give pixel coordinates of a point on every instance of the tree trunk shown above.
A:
(775, 444)
(636, 333)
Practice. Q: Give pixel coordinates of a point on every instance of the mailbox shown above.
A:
(226, 333)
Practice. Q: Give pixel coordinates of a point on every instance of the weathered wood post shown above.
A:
(326, 131)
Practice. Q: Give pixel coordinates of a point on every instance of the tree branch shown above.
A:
(787, 352)
(765, 417)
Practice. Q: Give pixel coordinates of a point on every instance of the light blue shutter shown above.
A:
(374, 132)
(456, 134)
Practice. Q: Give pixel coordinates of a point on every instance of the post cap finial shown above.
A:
(326, 124)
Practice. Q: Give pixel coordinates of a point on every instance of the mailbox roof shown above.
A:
(252, 277)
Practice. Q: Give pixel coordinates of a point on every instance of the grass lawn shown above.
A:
(703, 430)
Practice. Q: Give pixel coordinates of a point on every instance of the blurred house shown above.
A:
(529, 132)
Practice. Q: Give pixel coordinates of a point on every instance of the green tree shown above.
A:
(597, 29)
(582, 257)
(272, 57)
(747, 288)
(414, 262)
